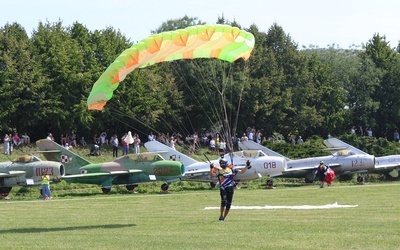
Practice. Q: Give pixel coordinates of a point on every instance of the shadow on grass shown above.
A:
(53, 229)
(65, 195)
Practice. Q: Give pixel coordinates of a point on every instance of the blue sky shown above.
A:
(316, 22)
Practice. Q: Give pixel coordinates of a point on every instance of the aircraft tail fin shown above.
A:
(168, 153)
(251, 145)
(334, 143)
(53, 151)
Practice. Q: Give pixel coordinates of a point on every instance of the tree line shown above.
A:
(46, 77)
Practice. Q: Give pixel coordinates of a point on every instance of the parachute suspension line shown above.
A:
(194, 95)
(219, 79)
(211, 93)
(168, 125)
(227, 119)
(245, 69)
(120, 113)
(114, 108)
(183, 79)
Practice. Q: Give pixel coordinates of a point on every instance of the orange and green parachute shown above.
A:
(201, 41)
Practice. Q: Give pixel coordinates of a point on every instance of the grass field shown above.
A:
(178, 220)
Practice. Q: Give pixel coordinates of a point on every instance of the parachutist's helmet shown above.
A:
(321, 163)
(223, 163)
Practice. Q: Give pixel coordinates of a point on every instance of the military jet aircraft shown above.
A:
(127, 170)
(27, 171)
(388, 165)
(262, 164)
(343, 160)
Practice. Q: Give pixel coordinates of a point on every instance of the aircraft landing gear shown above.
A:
(270, 183)
(131, 187)
(164, 187)
(309, 178)
(106, 190)
(4, 191)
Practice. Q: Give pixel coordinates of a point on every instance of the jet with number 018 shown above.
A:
(27, 171)
(343, 160)
(128, 170)
(261, 163)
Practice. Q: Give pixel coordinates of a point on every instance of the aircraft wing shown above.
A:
(299, 169)
(199, 171)
(305, 168)
(113, 173)
(387, 166)
(12, 174)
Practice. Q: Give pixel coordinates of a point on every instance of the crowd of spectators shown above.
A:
(217, 142)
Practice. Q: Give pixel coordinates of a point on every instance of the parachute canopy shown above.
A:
(201, 41)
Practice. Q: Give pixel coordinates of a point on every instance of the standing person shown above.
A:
(150, 137)
(26, 139)
(300, 140)
(6, 144)
(222, 146)
(225, 174)
(125, 144)
(50, 137)
(114, 143)
(46, 187)
(320, 173)
(103, 139)
(172, 142)
(396, 136)
(258, 137)
(212, 146)
(136, 144)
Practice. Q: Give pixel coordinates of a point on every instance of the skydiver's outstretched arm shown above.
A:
(248, 166)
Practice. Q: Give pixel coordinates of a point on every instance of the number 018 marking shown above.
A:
(270, 164)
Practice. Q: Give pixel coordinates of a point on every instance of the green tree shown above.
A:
(21, 84)
(178, 23)
(386, 59)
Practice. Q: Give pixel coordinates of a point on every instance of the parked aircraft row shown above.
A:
(163, 163)
(345, 159)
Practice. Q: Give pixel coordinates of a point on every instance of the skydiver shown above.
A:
(320, 173)
(225, 174)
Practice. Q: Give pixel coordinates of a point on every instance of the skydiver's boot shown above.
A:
(222, 210)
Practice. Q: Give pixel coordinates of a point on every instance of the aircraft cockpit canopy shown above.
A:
(253, 153)
(344, 152)
(25, 159)
(146, 157)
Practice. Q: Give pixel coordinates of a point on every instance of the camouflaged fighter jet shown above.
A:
(27, 171)
(128, 170)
